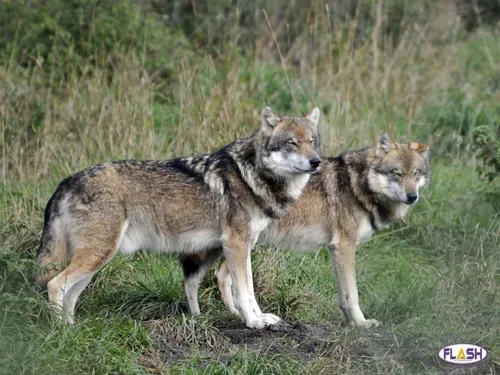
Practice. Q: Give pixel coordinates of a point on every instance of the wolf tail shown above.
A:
(52, 254)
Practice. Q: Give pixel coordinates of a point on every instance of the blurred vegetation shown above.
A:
(278, 51)
(488, 146)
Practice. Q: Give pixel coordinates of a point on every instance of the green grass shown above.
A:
(432, 281)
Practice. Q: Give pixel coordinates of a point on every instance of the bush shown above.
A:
(487, 145)
(477, 12)
(65, 33)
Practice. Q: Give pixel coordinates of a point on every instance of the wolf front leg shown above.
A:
(343, 255)
(224, 283)
(273, 319)
(236, 247)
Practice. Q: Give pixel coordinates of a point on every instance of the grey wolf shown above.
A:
(185, 205)
(352, 196)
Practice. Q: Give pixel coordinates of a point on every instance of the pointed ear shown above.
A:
(385, 143)
(421, 148)
(269, 119)
(313, 116)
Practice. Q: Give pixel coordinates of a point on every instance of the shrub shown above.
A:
(487, 146)
(81, 33)
(477, 12)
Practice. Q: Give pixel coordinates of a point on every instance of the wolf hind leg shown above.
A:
(100, 247)
(58, 288)
(195, 267)
(65, 288)
(71, 297)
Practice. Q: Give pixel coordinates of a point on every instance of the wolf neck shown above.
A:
(381, 211)
(273, 193)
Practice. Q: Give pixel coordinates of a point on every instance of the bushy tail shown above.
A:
(53, 252)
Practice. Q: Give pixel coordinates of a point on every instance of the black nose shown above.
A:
(315, 162)
(412, 197)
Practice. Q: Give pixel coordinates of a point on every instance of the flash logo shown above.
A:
(462, 353)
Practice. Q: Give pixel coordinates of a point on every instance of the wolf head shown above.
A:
(290, 144)
(399, 171)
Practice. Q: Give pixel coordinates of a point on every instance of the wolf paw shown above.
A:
(273, 319)
(368, 323)
(68, 318)
(234, 310)
(255, 323)
(263, 321)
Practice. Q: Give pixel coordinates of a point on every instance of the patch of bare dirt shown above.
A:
(302, 341)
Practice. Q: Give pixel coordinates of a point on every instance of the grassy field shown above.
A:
(157, 92)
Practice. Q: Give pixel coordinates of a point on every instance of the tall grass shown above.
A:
(406, 68)
(109, 108)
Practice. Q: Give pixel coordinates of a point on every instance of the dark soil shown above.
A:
(303, 341)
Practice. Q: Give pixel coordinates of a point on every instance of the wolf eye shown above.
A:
(311, 141)
(397, 172)
(292, 142)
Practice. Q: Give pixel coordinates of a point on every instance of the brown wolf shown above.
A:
(352, 196)
(186, 205)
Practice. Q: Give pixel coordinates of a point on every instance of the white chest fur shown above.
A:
(365, 229)
(258, 225)
(297, 185)
(401, 211)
